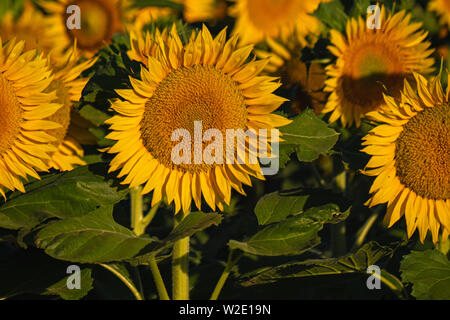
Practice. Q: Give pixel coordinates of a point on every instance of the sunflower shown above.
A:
(205, 80)
(368, 60)
(67, 84)
(442, 8)
(203, 10)
(26, 102)
(411, 158)
(258, 20)
(285, 61)
(309, 92)
(193, 11)
(100, 20)
(143, 44)
(28, 27)
(148, 15)
(73, 131)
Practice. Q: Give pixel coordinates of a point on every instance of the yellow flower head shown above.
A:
(193, 11)
(258, 20)
(411, 158)
(285, 61)
(66, 71)
(69, 87)
(147, 15)
(207, 80)
(143, 45)
(99, 21)
(370, 59)
(26, 103)
(28, 28)
(202, 10)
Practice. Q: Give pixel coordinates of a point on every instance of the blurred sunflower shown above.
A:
(285, 61)
(100, 20)
(193, 11)
(66, 71)
(442, 8)
(411, 158)
(73, 130)
(28, 27)
(147, 15)
(258, 20)
(369, 59)
(26, 103)
(203, 10)
(204, 80)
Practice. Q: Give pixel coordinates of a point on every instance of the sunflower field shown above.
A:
(224, 150)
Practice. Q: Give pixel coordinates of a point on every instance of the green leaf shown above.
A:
(193, 223)
(308, 136)
(429, 273)
(63, 195)
(332, 14)
(275, 207)
(93, 238)
(293, 236)
(60, 288)
(358, 262)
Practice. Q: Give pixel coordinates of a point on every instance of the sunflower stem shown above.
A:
(159, 282)
(149, 217)
(130, 285)
(223, 278)
(180, 266)
(136, 210)
(364, 231)
(338, 231)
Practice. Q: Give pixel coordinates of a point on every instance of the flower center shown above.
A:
(293, 72)
(423, 153)
(368, 66)
(10, 115)
(98, 20)
(185, 96)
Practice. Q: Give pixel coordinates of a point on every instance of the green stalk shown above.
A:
(139, 223)
(122, 278)
(136, 210)
(226, 273)
(338, 231)
(159, 282)
(149, 217)
(180, 266)
(362, 233)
